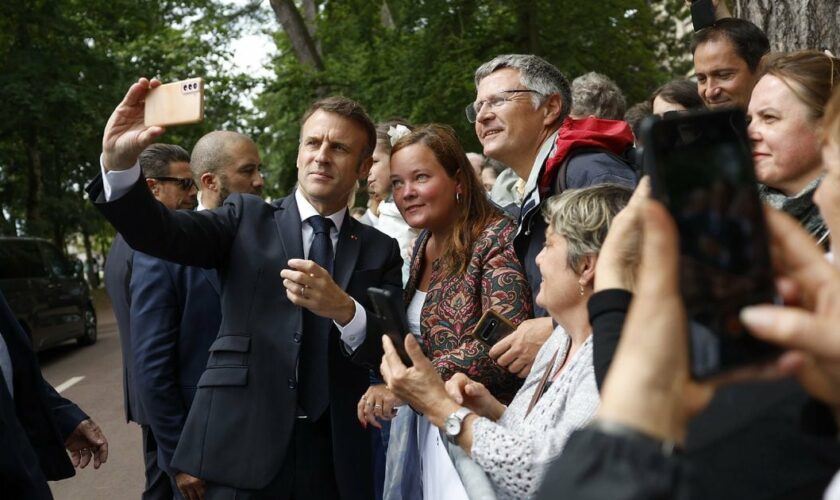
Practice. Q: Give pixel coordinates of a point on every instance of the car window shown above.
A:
(56, 262)
(20, 259)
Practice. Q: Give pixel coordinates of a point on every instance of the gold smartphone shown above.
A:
(176, 103)
(492, 327)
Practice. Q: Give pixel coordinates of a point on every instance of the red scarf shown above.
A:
(613, 135)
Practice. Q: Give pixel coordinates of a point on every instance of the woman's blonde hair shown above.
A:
(583, 217)
(809, 74)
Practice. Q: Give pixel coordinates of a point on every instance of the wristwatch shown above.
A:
(454, 422)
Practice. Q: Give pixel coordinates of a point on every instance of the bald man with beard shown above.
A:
(223, 163)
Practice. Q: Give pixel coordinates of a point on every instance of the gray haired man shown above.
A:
(522, 105)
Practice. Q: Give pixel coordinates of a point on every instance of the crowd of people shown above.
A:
(257, 368)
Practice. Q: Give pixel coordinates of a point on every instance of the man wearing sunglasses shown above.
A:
(168, 175)
(521, 117)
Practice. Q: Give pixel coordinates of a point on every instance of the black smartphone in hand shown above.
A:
(390, 312)
(702, 14)
(701, 169)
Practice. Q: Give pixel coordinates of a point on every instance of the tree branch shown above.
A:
(293, 24)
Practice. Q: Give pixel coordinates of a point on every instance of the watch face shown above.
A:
(453, 426)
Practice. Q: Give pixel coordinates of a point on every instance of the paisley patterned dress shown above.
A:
(494, 279)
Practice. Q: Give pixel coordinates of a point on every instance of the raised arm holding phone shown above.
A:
(290, 360)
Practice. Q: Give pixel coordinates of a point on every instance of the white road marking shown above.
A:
(68, 384)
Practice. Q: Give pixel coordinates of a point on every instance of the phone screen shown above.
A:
(390, 312)
(703, 172)
(702, 14)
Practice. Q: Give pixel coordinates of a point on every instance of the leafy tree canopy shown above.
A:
(415, 59)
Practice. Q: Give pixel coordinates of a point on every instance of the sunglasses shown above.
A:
(186, 183)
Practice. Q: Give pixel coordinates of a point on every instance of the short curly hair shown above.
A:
(583, 217)
(594, 94)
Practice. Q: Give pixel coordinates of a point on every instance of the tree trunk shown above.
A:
(529, 31)
(34, 185)
(794, 24)
(302, 41)
(310, 17)
(386, 17)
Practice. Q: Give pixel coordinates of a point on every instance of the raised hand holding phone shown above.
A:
(147, 108)
(126, 133)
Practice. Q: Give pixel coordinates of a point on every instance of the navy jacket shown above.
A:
(118, 267)
(33, 426)
(240, 424)
(175, 316)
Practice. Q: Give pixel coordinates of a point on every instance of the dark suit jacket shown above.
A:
(175, 316)
(34, 426)
(117, 277)
(239, 426)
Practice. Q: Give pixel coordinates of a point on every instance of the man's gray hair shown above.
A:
(594, 94)
(535, 73)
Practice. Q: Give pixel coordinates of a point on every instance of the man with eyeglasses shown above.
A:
(168, 176)
(521, 117)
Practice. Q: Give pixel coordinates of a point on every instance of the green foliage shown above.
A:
(422, 70)
(65, 64)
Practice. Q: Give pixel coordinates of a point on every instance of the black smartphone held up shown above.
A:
(702, 14)
(702, 170)
(492, 327)
(390, 311)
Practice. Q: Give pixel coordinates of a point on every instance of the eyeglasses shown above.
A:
(185, 183)
(495, 101)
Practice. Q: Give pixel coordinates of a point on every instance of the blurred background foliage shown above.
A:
(64, 64)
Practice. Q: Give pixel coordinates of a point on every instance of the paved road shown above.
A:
(99, 393)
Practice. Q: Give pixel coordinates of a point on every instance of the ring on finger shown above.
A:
(377, 407)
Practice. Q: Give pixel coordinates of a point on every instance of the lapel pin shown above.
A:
(353, 237)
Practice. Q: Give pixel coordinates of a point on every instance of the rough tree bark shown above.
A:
(310, 16)
(794, 24)
(303, 44)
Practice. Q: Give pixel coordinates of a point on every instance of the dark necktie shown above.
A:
(314, 357)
